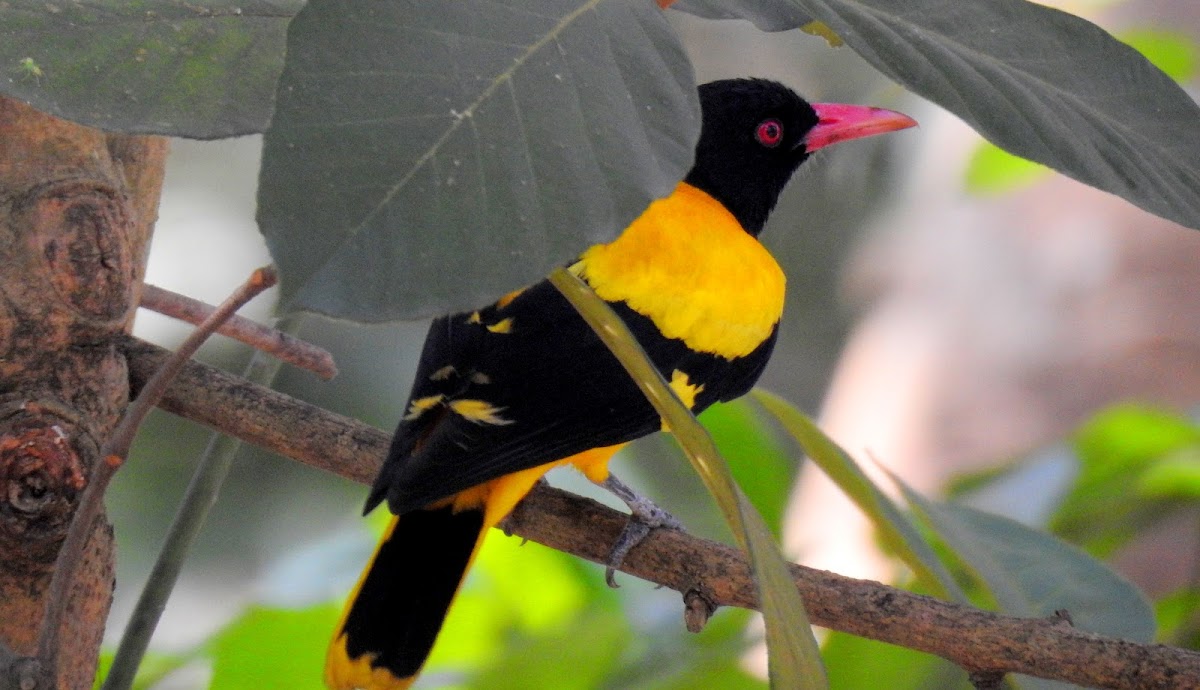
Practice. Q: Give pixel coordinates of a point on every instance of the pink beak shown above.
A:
(839, 122)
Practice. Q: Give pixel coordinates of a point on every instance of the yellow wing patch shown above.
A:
(685, 389)
(444, 373)
(420, 406)
(688, 265)
(479, 411)
(507, 299)
(502, 326)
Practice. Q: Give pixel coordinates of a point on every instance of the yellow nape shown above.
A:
(344, 673)
(687, 264)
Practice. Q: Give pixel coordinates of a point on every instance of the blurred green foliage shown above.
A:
(1118, 450)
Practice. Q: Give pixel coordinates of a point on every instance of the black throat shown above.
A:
(749, 200)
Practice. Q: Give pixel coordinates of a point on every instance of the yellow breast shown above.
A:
(688, 265)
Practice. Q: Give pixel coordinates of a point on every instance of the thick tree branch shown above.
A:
(113, 453)
(77, 212)
(983, 643)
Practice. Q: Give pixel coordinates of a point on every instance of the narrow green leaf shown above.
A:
(1031, 573)
(764, 469)
(203, 70)
(793, 658)
(895, 529)
(426, 157)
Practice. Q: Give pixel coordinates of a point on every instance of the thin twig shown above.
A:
(979, 641)
(283, 345)
(199, 498)
(112, 454)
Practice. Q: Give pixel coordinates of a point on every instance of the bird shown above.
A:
(504, 393)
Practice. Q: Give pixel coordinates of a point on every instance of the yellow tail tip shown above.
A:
(344, 673)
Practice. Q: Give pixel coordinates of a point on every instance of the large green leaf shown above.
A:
(1031, 573)
(193, 69)
(993, 170)
(768, 15)
(429, 156)
(1038, 82)
(1174, 52)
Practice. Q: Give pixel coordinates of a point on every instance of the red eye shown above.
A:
(769, 133)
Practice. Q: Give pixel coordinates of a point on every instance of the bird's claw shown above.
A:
(644, 518)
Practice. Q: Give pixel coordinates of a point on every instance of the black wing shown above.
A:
(526, 382)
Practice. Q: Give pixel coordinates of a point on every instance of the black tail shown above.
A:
(395, 613)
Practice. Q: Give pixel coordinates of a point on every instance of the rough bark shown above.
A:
(76, 211)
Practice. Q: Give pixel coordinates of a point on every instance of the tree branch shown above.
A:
(284, 346)
(981, 642)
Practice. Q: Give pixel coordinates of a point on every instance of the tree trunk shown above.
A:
(76, 211)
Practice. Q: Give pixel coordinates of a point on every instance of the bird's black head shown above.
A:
(751, 141)
(754, 135)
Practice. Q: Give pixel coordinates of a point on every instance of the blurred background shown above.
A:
(950, 311)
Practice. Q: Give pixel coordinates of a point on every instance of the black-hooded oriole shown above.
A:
(505, 393)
